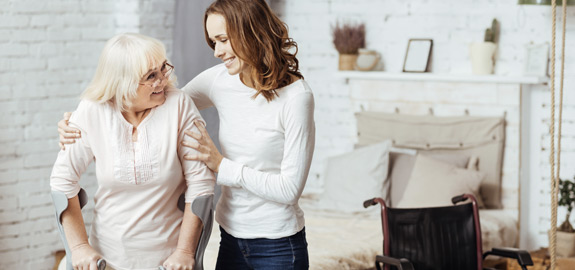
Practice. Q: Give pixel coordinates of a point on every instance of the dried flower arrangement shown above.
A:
(348, 38)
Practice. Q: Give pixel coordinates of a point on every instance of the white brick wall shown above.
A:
(452, 25)
(48, 53)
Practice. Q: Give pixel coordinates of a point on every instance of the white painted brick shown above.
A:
(97, 33)
(11, 216)
(127, 20)
(39, 212)
(63, 34)
(33, 200)
(23, 63)
(29, 35)
(5, 35)
(5, 94)
(129, 6)
(25, 187)
(39, 175)
(30, 91)
(43, 20)
(13, 49)
(9, 135)
(9, 176)
(8, 203)
(43, 50)
(13, 21)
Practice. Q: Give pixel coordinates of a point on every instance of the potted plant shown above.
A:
(348, 38)
(565, 232)
(482, 53)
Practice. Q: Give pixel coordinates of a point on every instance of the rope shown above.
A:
(553, 236)
(560, 122)
(559, 127)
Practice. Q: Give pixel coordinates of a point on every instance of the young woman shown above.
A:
(267, 136)
(132, 121)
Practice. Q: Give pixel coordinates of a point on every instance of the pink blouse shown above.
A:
(136, 221)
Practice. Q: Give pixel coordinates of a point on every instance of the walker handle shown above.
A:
(101, 264)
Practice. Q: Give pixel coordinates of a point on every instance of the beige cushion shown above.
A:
(401, 166)
(354, 177)
(433, 183)
(466, 135)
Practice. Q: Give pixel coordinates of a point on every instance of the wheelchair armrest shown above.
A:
(401, 264)
(523, 257)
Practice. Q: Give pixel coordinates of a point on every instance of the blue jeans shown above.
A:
(262, 253)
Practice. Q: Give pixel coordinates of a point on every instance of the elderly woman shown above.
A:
(132, 119)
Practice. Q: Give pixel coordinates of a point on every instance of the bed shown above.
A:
(343, 235)
(344, 241)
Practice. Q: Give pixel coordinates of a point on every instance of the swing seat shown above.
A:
(202, 207)
(433, 238)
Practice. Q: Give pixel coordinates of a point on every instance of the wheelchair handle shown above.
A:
(369, 203)
(458, 198)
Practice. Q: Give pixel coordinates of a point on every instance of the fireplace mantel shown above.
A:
(433, 77)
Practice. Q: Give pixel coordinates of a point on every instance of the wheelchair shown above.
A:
(433, 238)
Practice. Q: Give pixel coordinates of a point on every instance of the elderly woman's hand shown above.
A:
(84, 257)
(208, 153)
(67, 134)
(180, 260)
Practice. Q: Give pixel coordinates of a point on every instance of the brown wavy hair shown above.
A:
(260, 39)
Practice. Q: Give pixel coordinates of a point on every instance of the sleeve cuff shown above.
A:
(230, 173)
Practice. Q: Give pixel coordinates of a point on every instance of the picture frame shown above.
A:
(417, 55)
(536, 60)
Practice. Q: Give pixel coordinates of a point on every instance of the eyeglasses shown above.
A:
(156, 77)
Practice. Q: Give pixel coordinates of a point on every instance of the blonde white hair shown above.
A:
(125, 59)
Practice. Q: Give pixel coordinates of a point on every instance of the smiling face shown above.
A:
(152, 89)
(216, 28)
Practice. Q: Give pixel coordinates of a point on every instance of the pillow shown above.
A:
(401, 165)
(354, 177)
(433, 183)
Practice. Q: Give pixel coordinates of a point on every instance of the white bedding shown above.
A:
(351, 241)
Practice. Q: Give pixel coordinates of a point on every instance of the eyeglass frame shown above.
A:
(169, 71)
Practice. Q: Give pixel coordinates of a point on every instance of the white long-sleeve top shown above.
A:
(268, 148)
(136, 220)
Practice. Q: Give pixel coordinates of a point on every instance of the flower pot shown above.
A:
(347, 61)
(565, 244)
(482, 57)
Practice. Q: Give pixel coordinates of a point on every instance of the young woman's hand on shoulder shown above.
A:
(208, 152)
(67, 133)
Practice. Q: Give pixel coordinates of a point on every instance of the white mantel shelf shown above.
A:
(432, 77)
